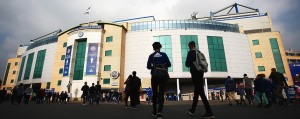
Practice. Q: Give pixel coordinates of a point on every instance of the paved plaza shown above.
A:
(172, 110)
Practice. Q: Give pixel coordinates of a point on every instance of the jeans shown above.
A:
(199, 90)
(258, 94)
(158, 87)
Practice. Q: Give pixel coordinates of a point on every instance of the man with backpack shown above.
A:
(197, 63)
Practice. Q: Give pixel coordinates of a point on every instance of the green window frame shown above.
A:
(12, 81)
(62, 57)
(184, 41)
(106, 81)
(276, 54)
(109, 39)
(21, 68)
(258, 55)
(261, 68)
(65, 44)
(255, 42)
(59, 82)
(79, 61)
(216, 54)
(39, 64)
(6, 73)
(48, 85)
(61, 70)
(108, 53)
(166, 42)
(28, 66)
(107, 67)
(14, 72)
(16, 63)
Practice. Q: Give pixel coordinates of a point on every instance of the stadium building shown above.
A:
(233, 43)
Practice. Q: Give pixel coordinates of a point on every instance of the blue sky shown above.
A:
(24, 20)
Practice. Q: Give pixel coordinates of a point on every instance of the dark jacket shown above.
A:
(230, 85)
(156, 58)
(191, 57)
(98, 88)
(260, 85)
(92, 90)
(277, 78)
(85, 90)
(135, 83)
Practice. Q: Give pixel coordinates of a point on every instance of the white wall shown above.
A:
(48, 64)
(237, 52)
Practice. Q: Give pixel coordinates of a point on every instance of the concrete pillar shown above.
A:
(206, 88)
(178, 89)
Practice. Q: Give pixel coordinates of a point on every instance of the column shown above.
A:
(178, 90)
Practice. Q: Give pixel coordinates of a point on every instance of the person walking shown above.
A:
(97, 92)
(13, 95)
(28, 93)
(135, 86)
(149, 94)
(92, 94)
(20, 93)
(279, 82)
(259, 88)
(127, 90)
(3, 94)
(221, 94)
(158, 60)
(241, 90)
(230, 86)
(198, 81)
(248, 88)
(85, 93)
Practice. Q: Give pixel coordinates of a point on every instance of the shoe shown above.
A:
(190, 112)
(207, 116)
(154, 115)
(160, 116)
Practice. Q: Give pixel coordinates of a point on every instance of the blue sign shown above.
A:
(67, 61)
(92, 59)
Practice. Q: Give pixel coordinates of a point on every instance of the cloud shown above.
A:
(22, 20)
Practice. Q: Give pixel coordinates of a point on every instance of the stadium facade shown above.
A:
(234, 44)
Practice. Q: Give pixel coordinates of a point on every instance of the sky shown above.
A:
(25, 20)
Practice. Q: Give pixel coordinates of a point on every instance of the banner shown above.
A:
(92, 59)
(67, 61)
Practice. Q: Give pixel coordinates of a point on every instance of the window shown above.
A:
(255, 42)
(12, 81)
(261, 68)
(28, 66)
(184, 41)
(21, 68)
(61, 70)
(106, 81)
(65, 44)
(62, 57)
(109, 39)
(107, 67)
(166, 43)
(39, 64)
(79, 61)
(277, 55)
(14, 72)
(258, 55)
(48, 85)
(216, 54)
(16, 63)
(59, 82)
(6, 73)
(108, 53)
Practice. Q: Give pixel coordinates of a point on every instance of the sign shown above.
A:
(80, 34)
(85, 27)
(67, 61)
(114, 84)
(114, 74)
(92, 59)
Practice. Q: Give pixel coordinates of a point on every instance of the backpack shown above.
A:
(200, 63)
